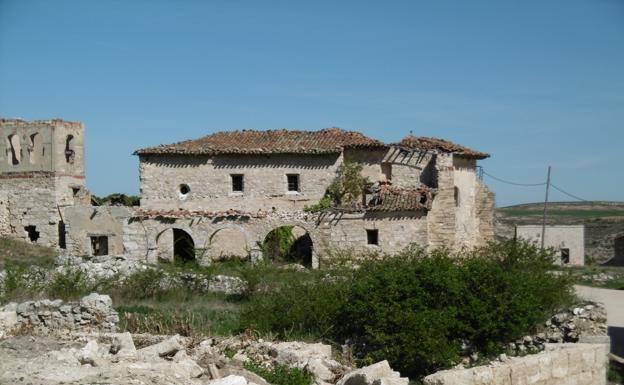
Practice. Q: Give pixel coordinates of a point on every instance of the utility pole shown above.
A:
(545, 207)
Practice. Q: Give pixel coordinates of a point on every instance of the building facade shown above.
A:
(568, 241)
(225, 194)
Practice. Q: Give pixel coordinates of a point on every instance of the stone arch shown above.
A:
(14, 149)
(175, 245)
(289, 243)
(35, 148)
(228, 242)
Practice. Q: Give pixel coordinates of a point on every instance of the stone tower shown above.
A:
(41, 173)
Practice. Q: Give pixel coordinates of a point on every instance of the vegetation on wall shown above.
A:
(345, 189)
(115, 199)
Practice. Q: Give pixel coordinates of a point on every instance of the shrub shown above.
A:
(68, 284)
(280, 374)
(420, 311)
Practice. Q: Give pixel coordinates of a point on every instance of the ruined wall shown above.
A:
(559, 364)
(396, 231)
(84, 222)
(371, 161)
(41, 171)
(558, 237)
(31, 202)
(410, 169)
(464, 195)
(485, 203)
(441, 218)
(209, 180)
(152, 238)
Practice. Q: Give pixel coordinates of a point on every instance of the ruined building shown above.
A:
(224, 194)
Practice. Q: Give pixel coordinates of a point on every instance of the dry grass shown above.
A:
(24, 253)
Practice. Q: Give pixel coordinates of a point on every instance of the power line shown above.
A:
(567, 193)
(514, 183)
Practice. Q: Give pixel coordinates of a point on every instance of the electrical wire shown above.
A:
(567, 193)
(513, 183)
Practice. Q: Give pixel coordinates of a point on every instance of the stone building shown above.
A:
(567, 240)
(41, 174)
(225, 194)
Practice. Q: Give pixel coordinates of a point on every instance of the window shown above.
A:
(62, 235)
(456, 193)
(33, 234)
(75, 191)
(565, 256)
(237, 182)
(184, 189)
(293, 182)
(15, 149)
(372, 236)
(99, 245)
(70, 154)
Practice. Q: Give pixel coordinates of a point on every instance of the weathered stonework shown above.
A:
(224, 193)
(41, 173)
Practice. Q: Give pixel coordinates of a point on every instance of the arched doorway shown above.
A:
(175, 245)
(183, 246)
(288, 244)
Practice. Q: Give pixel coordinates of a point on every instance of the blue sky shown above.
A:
(532, 82)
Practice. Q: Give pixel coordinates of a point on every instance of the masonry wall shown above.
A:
(84, 222)
(558, 237)
(560, 364)
(410, 169)
(209, 179)
(441, 222)
(152, 238)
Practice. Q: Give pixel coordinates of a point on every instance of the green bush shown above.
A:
(68, 284)
(280, 374)
(421, 311)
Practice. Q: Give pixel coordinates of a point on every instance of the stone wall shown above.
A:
(485, 203)
(210, 184)
(84, 222)
(93, 312)
(410, 169)
(441, 218)
(558, 237)
(559, 364)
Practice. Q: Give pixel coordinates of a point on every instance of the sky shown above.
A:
(532, 82)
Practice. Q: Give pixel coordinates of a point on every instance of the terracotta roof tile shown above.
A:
(330, 140)
(389, 198)
(440, 145)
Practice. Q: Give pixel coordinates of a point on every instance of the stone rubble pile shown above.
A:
(588, 319)
(92, 313)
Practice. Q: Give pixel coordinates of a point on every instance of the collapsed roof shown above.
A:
(440, 146)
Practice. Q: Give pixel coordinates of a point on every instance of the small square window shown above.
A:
(565, 256)
(293, 182)
(237, 182)
(372, 236)
(99, 245)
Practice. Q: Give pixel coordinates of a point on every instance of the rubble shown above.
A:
(376, 374)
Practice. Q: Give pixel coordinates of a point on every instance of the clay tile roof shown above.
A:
(389, 198)
(440, 145)
(329, 140)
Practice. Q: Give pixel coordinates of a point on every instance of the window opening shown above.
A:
(293, 182)
(237, 182)
(565, 256)
(99, 245)
(372, 236)
(33, 234)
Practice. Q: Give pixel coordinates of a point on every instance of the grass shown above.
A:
(14, 251)
(582, 275)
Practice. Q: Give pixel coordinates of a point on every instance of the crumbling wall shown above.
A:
(5, 228)
(570, 237)
(441, 217)
(559, 364)
(410, 169)
(210, 185)
(92, 312)
(84, 222)
(485, 203)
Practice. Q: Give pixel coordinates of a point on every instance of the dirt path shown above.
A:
(613, 301)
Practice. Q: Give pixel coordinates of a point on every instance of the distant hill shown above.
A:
(563, 212)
